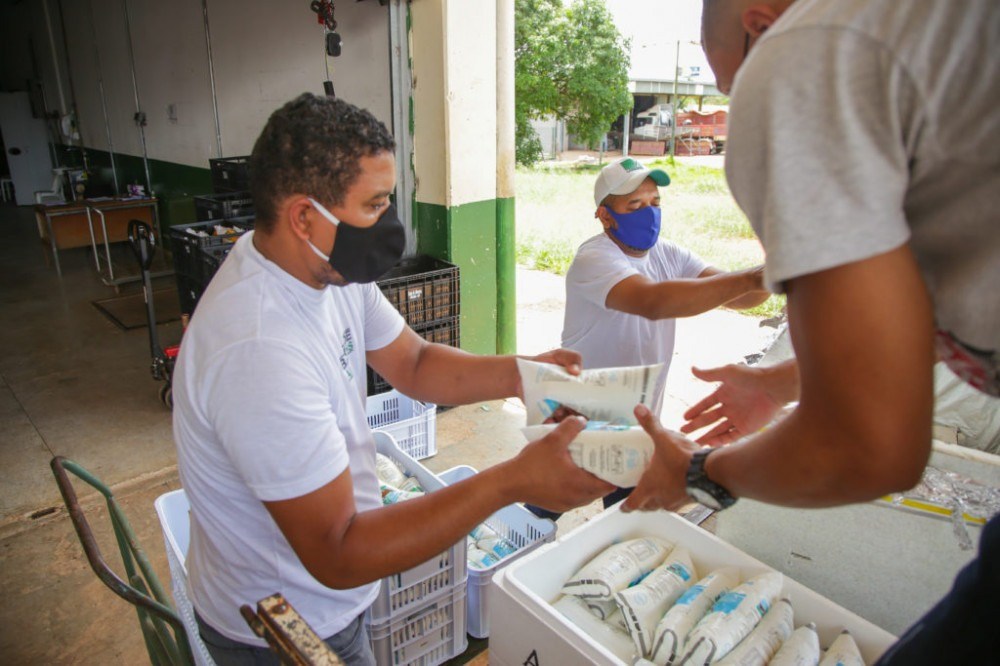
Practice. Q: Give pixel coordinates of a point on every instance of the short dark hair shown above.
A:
(312, 145)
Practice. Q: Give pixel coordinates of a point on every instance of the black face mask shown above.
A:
(364, 254)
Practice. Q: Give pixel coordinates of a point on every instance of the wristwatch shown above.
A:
(701, 488)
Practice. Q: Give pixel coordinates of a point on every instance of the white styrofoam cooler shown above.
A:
(520, 527)
(525, 628)
(887, 563)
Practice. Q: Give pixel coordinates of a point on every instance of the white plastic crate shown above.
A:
(527, 629)
(409, 421)
(172, 509)
(520, 527)
(410, 589)
(428, 635)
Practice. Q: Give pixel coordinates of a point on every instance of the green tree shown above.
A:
(570, 63)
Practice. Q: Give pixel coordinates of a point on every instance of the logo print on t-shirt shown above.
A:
(347, 348)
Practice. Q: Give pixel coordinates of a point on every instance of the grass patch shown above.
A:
(555, 214)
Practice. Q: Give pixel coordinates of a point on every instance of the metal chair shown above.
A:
(162, 629)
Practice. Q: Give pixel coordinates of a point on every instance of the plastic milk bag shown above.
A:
(616, 454)
(617, 567)
(758, 648)
(677, 623)
(604, 394)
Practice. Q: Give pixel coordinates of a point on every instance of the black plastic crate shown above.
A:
(425, 290)
(444, 332)
(189, 251)
(230, 174)
(212, 257)
(222, 206)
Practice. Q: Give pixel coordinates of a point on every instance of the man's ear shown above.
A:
(297, 213)
(758, 18)
(604, 216)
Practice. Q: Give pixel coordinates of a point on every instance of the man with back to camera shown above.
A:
(274, 449)
(626, 285)
(879, 222)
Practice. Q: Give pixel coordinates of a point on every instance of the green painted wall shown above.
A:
(506, 277)
(466, 235)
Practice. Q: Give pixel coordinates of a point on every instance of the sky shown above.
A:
(655, 27)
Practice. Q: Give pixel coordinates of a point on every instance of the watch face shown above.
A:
(703, 497)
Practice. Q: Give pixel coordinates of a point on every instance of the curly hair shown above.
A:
(313, 145)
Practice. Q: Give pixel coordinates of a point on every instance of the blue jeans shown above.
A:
(612, 498)
(352, 645)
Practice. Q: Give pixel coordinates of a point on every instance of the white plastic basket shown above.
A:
(172, 508)
(520, 527)
(429, 635)
(409, 421)
(404, 593)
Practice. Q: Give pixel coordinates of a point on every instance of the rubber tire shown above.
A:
(167, 395)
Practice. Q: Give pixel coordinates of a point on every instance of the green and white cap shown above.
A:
(623, 176)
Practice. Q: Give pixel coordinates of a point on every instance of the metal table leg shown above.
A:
(93, 241)
(52, 242)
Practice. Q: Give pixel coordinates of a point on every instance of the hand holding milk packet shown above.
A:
(616, 454)
(603, 394)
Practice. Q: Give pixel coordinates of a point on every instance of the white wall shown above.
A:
(265, 52)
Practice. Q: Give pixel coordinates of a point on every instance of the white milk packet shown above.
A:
(644, 603)
(758, 648)
(843, 652)
(497, 545)
(603, 609)
(801, 648)
(615, 454)
(612, 638)
(411, 485)
(602, 394)
(479, 558)
(617, 567)
(677, 623)
(387, 471)
(391, 495)
(731, 619)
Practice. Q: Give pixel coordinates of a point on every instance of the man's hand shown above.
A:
(663, 484)
(739, 406)
(567, 359)
(545, 475)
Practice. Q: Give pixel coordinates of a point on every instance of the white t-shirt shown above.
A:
(608, 338)
(269, 404)
(860, 125)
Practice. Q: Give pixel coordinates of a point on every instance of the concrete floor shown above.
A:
(73, 384)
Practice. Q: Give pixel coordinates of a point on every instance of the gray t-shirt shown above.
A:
(860, 125)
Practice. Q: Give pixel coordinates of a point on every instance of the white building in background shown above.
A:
(665, 51)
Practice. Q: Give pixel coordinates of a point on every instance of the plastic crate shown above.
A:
(423, 289)
(405, 593)
(222, 206)
(520, 527)
(428, 636)
(409, 421)
(230, 174)
(192, 269)
(173, 511)
(445, 332)
(524, 622)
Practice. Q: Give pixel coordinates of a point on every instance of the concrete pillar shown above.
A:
(455, 103)
(506, 236)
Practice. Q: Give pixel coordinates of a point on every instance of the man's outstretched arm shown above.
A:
(863, 336)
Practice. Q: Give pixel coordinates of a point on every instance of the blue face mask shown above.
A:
(638, 229)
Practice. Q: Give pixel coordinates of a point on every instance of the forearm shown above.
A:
(810, 460)
(781, 381)
(395, 538)
(749, 300)
(449, 376)
(689, 297)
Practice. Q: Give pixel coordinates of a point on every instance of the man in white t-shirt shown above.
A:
(627, 285)
(874, 194)
(274, 449)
